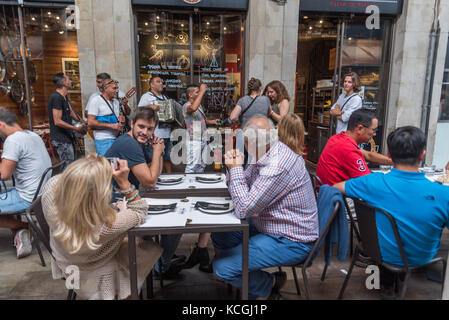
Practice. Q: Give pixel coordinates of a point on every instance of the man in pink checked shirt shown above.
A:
(275, 193)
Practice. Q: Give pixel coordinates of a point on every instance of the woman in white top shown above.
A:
(347, 102)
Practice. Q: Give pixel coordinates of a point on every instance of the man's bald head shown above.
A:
(259, 132)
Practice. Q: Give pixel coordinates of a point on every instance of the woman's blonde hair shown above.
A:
(82, 198)
(291, 132)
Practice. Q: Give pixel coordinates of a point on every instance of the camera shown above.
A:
(114, 162)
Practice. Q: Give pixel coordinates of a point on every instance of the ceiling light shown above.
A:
(208, 23)
(157, 17)
(46, 26)
(321, 21)
(310, 28)
(349, 38)
(33, 18)
(224, 29)
(146, 23)
(57, 18)
(182, 24)
(306, 17)
(61, 31)
(49, 13)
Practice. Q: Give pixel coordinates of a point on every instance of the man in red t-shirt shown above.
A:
(342, 159)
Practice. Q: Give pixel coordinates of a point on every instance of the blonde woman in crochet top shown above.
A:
(89, 233)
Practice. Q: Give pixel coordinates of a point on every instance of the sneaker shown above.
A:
(171, 274)
(23, 243)
(178, 259)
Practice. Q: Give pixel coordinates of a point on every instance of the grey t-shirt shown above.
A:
(28, 150)
(260, 106)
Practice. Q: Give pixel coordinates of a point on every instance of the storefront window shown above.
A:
(218, 59)
(51, 47)
(211, 54)
(444, 101)
(164, 50)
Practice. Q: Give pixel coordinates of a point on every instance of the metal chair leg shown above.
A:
(404, 286)
(306, 283)
(323, 275)
(298, 290)
(351, 238)
(345, 282)
(444, 277)
(149, 285)
(38, 248)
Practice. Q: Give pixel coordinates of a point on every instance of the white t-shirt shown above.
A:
(28, 150)
(98, 107)
(121, 94)
(354, 104)
(149, 98)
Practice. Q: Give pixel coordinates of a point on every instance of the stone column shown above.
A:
(271, 43)
(409, 63)
(106, 44)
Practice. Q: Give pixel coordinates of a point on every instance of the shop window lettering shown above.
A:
(350, 4)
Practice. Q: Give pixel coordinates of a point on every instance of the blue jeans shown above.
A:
(265, 251)
(101, 146)
(13, 202)
(169, 243)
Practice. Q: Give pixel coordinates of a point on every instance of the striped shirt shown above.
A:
(277, 194)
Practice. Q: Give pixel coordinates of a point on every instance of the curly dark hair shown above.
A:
(280, 90)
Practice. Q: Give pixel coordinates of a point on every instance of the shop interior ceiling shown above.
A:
(317, 27)
(154, 23)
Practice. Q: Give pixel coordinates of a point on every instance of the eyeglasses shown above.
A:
(374, 130)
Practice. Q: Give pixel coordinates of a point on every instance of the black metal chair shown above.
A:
(313, 253)
(42, 231)
(56, 169)
(368, 251)
(353, 227)
(316, 183)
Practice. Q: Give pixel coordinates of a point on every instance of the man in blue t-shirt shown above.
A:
(419, 206)
(145, 171)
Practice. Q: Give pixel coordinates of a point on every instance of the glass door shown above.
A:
(367, 53)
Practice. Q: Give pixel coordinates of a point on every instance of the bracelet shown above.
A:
(131, 189)
(134, 197)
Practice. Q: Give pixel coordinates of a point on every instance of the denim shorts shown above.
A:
(10, 201)
(101, 146)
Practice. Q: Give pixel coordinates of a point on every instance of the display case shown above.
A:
(319, 122)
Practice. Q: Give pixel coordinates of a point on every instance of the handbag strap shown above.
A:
(355, 94)
(110, 107)
(250, 105)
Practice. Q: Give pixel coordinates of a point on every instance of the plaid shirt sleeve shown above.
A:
(265, 190)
